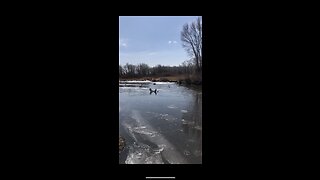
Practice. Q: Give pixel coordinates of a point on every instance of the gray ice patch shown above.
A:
(172, 107)
(143, 154)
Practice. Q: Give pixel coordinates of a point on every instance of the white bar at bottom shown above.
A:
(160, 177)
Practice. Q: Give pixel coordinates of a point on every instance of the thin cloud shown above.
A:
(172, 42)
(123, 43)
(164, 57)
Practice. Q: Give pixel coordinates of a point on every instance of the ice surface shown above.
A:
(172, 107)
(143, 154)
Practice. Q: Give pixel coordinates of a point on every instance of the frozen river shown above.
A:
(162, 128)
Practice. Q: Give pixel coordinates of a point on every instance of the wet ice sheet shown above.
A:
(150, 134)
(162, 128)
(143, 130)
(144, 154)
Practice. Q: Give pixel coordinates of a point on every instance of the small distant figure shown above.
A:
(169, 86)
(151, 91)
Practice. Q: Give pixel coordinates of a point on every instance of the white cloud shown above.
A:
(172, 42)
(123, 43)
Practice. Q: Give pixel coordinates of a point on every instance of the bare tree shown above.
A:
(142, 69)
(121, 71)
(130, 69)
(191, 37)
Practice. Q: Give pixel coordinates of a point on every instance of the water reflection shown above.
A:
(192, 125)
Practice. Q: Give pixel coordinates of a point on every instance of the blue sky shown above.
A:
(152, 39)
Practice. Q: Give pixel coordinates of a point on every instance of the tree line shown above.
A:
(144, 70)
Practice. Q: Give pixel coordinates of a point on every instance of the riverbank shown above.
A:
(180, 79)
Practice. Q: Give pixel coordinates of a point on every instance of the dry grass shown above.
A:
(160, 78)
(185, 79)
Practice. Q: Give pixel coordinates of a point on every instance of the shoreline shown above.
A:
(179, 79)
